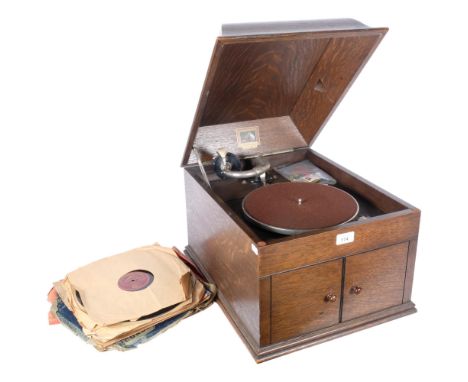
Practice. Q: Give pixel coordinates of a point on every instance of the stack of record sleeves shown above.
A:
(121, 301)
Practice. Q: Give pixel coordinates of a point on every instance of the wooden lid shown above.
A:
(272, 86)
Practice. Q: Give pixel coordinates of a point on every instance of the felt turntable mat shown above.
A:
(300, 206)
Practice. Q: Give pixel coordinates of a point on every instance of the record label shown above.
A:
(135, 280)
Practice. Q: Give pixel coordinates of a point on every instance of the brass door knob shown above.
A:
(330, 297)
(356, 289)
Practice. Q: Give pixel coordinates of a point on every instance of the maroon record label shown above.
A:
(135, 280)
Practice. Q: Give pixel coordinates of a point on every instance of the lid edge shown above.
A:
(285, 27)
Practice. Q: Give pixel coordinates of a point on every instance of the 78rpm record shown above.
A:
(294, 208)
(131, 285)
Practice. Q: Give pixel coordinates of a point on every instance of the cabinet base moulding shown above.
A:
(265, 353)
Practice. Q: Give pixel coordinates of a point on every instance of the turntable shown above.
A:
(296, 263)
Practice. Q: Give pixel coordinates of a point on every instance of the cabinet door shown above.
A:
(305, 300)
(374, 280)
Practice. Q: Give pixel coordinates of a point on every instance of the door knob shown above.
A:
(330, 297)
(356, 289)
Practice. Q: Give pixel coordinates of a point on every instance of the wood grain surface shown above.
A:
(339, 65)
(309, 249)
(267, 352)
(259, 80)
(286, 293)
(225, 252)
(380, 277)
(265, 311)
(297, 75)
(409, 274)
(329, 333)
(298, 300)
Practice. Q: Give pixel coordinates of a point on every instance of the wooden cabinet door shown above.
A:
(304, 300)
(374, 280)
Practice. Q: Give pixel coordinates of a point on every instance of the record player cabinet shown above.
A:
(283, 293)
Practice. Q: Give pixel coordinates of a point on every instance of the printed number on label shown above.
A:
(345, 238)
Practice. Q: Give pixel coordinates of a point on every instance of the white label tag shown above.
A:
(345, 238)
(254, 248)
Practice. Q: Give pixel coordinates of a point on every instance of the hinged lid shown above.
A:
(271, 87)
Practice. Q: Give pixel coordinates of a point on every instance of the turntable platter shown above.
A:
(293, 208)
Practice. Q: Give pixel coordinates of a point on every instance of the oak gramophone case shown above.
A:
(269, 90)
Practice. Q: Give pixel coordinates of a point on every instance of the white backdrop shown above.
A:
(96, 103)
